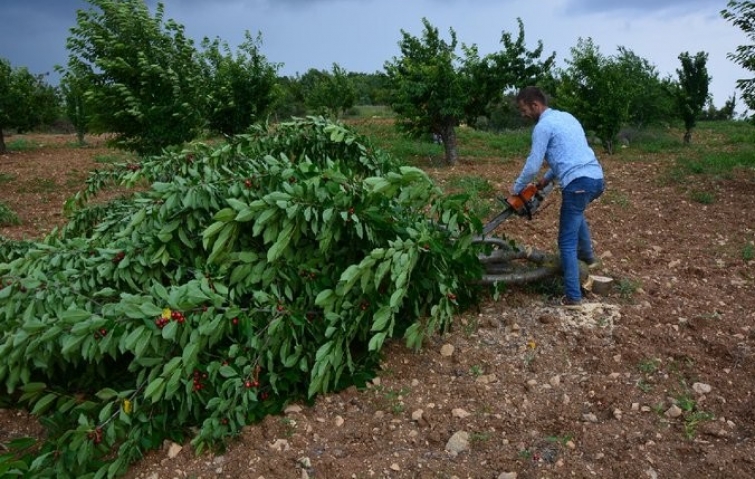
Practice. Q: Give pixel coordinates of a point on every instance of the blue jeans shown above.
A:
(574, 241)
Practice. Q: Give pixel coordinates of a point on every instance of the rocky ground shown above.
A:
(656, 379)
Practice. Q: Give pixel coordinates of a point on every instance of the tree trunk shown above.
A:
(3, 148)
(448, 135)
(687, 137)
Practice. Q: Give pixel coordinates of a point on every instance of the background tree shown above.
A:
(144, 75)
(433, 88)
(26, 100)
(606, 93)
(370, 88)
(428, 87)
(513, 67)
(73, 88)
(652, 101)
(692, 92)
(329, 93)
(742, 15)
(240, 90)
(726, 112)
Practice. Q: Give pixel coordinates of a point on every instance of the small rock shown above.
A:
(447, 350)
(507, 475)
(570, 444)
(635, 406)
(417, 415)
(460, 413)
(280, 445)
(701, 388)
(673, 412)
(459, 442)
(395, 467)
(305, 462)
(617, 414)
(589, 417)
(555, 380)
(174, 450)
(339, 421)
(293, 408)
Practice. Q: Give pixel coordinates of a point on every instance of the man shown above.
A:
(559, 139)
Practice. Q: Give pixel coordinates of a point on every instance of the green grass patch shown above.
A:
(22, 144)
(370, 111)
(748, 252)
(6, 178)
(651, 141)
(703, 197)
(8, 217)
(38, 185)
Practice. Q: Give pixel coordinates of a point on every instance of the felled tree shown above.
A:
(240, 276)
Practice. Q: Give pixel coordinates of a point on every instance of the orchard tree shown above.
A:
(513, 67)
(329, 93)
(692, 93)
(742, 15)
(26, 100)
(143, 73)
(73, 88)
(241, 90)
(433, 88)
(605, 93)
(271, 268)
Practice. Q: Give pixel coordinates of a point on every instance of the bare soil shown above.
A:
(654, 380)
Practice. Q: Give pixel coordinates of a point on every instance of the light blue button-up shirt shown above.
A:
(559, 139)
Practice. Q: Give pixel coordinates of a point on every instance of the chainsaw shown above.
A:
(523, 204)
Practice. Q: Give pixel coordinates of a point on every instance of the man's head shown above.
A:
(531, 102)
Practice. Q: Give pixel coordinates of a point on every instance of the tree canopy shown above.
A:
(742, 15)
(692, 92)
(26, 100)
(433, 88)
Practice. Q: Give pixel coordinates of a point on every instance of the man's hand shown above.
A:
(542, 183)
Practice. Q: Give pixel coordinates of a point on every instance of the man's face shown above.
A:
(529, 110)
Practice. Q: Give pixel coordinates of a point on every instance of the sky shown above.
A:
(361, 35)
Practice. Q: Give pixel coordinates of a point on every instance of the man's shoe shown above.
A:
(571, 303)
(592, 263)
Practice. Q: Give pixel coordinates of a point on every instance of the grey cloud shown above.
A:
(642, 6)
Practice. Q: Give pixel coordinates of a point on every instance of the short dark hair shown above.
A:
(531, 94)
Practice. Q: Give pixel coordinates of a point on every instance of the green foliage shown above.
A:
(73, 87)
(742, 15)
(513, 67)
(433, 88)
(692, 93)
(8, 217)
(142, 74)
(481, 193)
(26, 100)
(329, 93)
(250, 273)
(606, 93)
(240, 91)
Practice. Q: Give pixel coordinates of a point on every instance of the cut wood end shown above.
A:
(601, 284)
